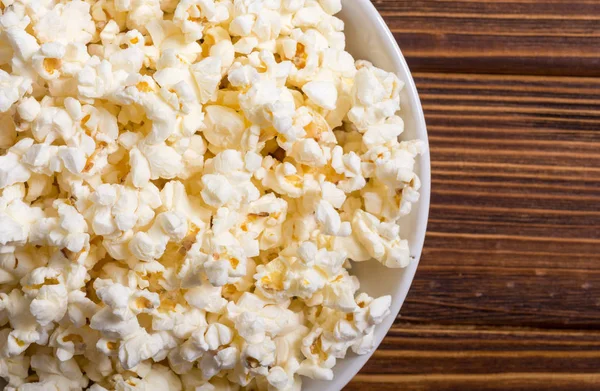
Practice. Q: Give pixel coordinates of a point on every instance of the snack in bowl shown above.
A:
(184, 188)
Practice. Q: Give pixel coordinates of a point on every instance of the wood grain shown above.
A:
(507, 36)
(549, 298)
(507, 295)
(429, 357)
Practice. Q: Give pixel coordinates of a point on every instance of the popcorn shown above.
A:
(322, 93)
(224, 128)
(309, 152)
(70, 22)
(16, 216)
(50, 304)
(318, 363)
(381, 240)
(14, 369)
(210, 338)
(207, 75)
(54, 374)
(12, 89)
(266, 105)
(206, 297)
(12, 171)
(330, 220)
(48, 61)
(161, 378)
(188, 182)
(348, 165)
(140, 346)
(163, 160)
(217, 190)
(140, 168)
(141, 12)
(375, 96)
(225, 264)
(69, 342)
(211, 364)
(242, 25)
(258, 357)
(331, 6)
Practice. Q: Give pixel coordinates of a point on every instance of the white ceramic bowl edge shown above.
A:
(368, 38)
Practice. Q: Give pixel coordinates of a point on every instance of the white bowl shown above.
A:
(368, 38)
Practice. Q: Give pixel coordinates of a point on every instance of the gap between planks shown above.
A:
(436, 205)
(449, 76)
(441, 181)
(511, 237)
(588, 377)
(429, 249)
(511, 142)
(536, 196)
(387, 353)
(491, 330)
(473, 15)
(513, 165)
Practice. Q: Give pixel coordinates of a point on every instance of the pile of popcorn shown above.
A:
(184, 186)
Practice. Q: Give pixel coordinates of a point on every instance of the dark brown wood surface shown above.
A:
(507, 295)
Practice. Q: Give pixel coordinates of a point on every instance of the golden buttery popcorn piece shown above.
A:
(184, 186)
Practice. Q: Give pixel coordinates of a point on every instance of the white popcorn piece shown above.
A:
(217, 190)
(206, 297)
(207, 74)
(163, 160)
(73, 159)
(339, 293)
(14, 370)
(141, 12)
(23, 44)
(28, 109)
(318, 363)
(12, 171)
(141, 346)
(381, 240)
(258, 357)
(224, 127)
(225, 264)
(242, 25)
(309, 152)
(161, 378)
(323, 93)
(68, 230)
(12, 88)
(375, 96)
(140, 168)
(70, 22)
(58, 375)
(331, 6)
(330, 221)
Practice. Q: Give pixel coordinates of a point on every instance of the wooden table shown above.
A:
(507, 295)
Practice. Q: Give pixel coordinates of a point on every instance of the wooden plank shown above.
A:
(426, 357)
(487, 106)
(494, 295)
(507, 187)
(514, 227)
(487, 382)
(512, 103)
(442, 248)
(507, 36)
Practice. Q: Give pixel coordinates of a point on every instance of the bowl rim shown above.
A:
(400, 67)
